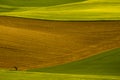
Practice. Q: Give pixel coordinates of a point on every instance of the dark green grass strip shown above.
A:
(36, 3)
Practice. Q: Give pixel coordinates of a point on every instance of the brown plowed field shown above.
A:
(29, 43)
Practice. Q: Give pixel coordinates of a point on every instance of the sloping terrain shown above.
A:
(104, 66)
(71, 10)
(106, 63)
(60, 39)
(24, 75)
(29, 43)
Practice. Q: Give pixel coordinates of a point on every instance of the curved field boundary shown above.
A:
(30, 43)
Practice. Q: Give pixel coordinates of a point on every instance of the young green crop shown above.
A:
(35, 3)
(21, 75)
(106, 63)
(73, 11)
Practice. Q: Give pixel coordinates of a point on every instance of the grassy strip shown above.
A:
(13, 75)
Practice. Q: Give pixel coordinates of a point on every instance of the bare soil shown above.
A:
(30, 43)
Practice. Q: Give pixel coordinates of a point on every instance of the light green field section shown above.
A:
(13, 75)
(106, 63)
(82, 10)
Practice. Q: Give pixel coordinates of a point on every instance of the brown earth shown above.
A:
(29, 43)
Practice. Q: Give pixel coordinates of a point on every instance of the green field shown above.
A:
(22, 75)
(35, 3)
(60, 39)
(62, 10)
(104, 66)
(106, 63)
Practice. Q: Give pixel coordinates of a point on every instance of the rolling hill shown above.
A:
(106, 63)
(60, 39)
(27, 36)
(67, 10)
(104, 66)
(24, 75)
(30, 43)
